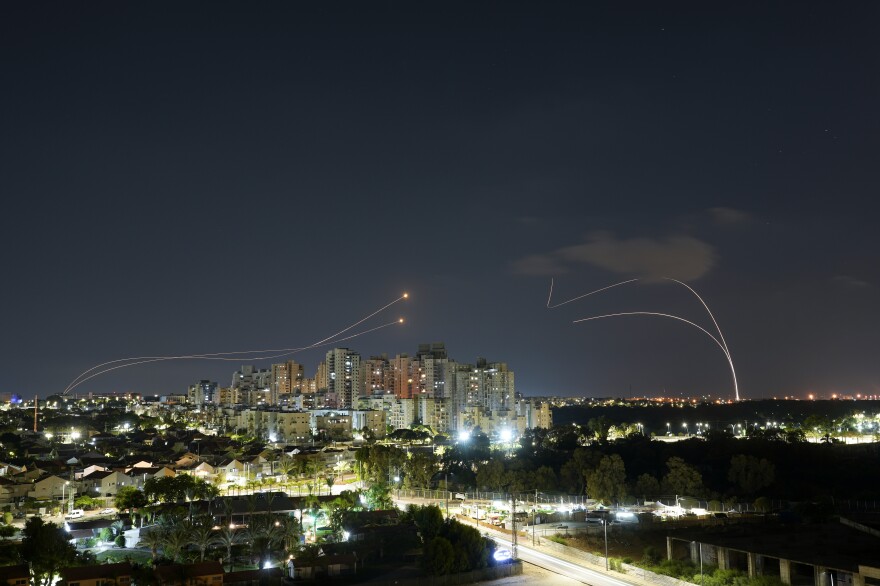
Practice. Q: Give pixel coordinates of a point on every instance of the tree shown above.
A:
(545, 478)
(682, 478)
(607, 482)
(176, 542)
(202, 536)
(86, 502)
(46, 548)
(490, 475)
(647, 485)
(129, 498)
(378, 497)
(750, 473)
(228, 537)
(289, 533)
(419, 468)
(428, 520)
(154, 539)
(439, 556)
(599, 427)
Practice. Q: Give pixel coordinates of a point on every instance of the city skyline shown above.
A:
(210, 178)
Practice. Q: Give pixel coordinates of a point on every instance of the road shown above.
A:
(560, 566)
(531, 555)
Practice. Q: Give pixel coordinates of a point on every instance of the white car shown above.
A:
(107, 511)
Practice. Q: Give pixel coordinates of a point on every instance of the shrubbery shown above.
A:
(450, 546)
(711, 576)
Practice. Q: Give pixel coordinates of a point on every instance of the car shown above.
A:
(459, 496)
(75, 514)
(107, 511)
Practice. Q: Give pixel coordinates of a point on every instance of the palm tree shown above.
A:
(176, 541)
(118, 527)
(202, 536)
(265, 536)
(154, 539)
(228, 537)
(286, 466)
(289, 532)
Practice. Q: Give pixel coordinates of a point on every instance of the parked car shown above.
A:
(108, 511)
(75, 514)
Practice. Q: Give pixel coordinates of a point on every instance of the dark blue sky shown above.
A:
(214, 177)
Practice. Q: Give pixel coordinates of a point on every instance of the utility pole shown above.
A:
(535, 517)
(513, 526)
(605, 524)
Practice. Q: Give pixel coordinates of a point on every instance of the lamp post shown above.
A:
(605, 526)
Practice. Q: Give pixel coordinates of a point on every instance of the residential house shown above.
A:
(98, 575)
(264, 577)
(233, 470)
(19, 575)
(49, 487)
(12, 491)
(104, 484)
(198, 574)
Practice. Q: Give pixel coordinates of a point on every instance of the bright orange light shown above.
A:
(400, 320)
(405, 295)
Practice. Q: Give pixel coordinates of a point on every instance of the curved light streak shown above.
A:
(584, 295)
(670, 316)
(223, 355)
(217, 356)
(76, 381)
(722, 343)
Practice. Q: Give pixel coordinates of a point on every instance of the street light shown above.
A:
(605, 525)
(63, 487)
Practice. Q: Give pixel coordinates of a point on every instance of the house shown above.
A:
(98, 575)
(186, 460)
(201, 470)
(325, 565)
(19, 575)
(12, 491)
(104, 484)
(232, 470)
(198, 574)
(49, 487)
(88, 470)
(264, 577)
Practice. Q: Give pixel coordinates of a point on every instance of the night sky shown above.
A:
(189, 178)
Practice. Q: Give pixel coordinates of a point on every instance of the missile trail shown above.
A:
(719, 340)
(292, 351)
(668, 315)
(584, 295)
(235, 355)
